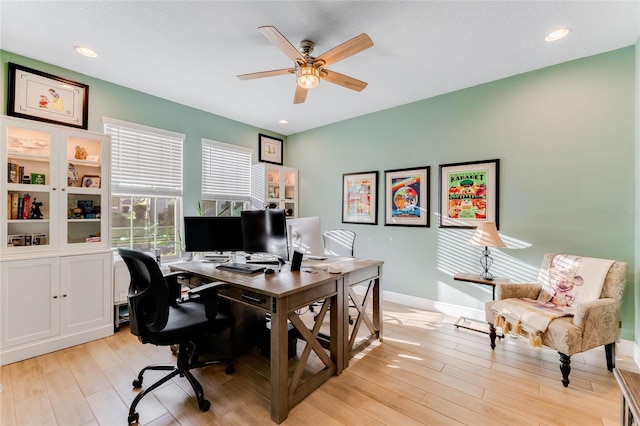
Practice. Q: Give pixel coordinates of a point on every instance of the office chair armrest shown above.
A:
(202, 290)
(207, 294)
(173, 286)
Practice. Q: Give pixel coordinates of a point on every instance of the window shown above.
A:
(226, 179)
(146, 187)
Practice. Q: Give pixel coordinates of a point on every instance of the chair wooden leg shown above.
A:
(492, 335)
(565, 368)
(610, 351)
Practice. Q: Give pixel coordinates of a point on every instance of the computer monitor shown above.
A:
(265, 231)
(305, 234)
(213, 233)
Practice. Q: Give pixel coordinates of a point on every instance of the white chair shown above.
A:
(339, 242)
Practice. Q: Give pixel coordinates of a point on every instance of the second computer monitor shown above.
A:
(305, 234)
(265, 231)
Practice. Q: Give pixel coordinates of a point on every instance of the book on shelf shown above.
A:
(13, 172)
(20, 206)
(20, 174)
(14, 205)
(26, 206)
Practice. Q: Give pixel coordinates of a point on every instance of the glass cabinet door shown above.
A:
(82, 188)
(30, 194)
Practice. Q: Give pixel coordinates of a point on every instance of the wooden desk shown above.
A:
(281, 294)
(629, 383)
(477, 279)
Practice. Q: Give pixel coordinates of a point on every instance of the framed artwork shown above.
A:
(469, 193)
(270, 149)
(407, 197)
(90, 181)
(36, 95)
(360, 198)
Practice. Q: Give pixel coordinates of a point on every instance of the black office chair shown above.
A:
(158, 315)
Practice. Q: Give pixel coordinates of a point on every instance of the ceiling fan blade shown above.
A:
(266, 74)
(346, 49)
(343, 80)
(282, 43)
(300, 96)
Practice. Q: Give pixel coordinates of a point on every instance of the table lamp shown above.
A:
(486, 236)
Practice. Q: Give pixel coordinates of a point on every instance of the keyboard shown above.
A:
(243, 268)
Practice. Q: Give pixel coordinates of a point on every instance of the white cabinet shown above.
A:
(50, 303)
(274, 186)
(54, 200)
(55, 261)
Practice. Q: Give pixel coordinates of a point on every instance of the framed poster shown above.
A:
(360, 198)
(407, 197)
(36, 95)
(469, 193)
(270, 149)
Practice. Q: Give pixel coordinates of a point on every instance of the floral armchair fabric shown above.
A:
(594, 324)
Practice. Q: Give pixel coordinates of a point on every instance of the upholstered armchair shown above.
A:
(594, 323)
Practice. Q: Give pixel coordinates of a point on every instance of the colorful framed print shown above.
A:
(469, 193)
(36, 95)
(360, 198)
(270, 149)
(407, 197)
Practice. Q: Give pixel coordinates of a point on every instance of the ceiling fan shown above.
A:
(309, 70)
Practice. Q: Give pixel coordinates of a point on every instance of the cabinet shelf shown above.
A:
(28, 221)
(28, 157)
(85, 163)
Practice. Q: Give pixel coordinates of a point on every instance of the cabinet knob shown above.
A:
(55, 297)
(63, 189)
(54, 188)
(64, 295)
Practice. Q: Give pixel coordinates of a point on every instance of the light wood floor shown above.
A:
(425, 372)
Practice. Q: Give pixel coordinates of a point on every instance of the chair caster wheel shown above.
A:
(230, 369)
(133, 418)
(204, 405)
(137, 383)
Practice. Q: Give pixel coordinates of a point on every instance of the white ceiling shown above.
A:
(191, 51)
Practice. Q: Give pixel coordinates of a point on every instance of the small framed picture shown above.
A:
(469, 193)
(360, 198)
(270, 149)
(36, 95)
(407, 197)
(91, 181)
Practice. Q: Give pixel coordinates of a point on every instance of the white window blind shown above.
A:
(226, 171)
(144, 160)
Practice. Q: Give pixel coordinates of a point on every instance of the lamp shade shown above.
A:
(486, 235)
(308, 77)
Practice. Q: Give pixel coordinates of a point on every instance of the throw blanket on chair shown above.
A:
(568, 281)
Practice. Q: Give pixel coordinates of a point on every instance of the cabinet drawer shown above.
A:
(248, 297)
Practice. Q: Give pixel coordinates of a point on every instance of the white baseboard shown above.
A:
(624, 347)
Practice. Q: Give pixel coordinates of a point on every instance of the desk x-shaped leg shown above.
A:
(361, 306)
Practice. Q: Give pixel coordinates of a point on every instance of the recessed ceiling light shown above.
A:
(86, 51)
(283, 122)
(557, 34)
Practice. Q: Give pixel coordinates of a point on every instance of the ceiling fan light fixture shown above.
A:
(308, 77)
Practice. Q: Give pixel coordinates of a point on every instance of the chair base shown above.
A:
(186, 361)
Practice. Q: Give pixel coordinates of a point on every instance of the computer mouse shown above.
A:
(269, 271)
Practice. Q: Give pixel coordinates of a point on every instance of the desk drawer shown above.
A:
(361, 275)
(245, 296)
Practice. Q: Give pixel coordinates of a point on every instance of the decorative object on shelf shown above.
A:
(81, 153)
(270, 149)
(486, 236)
(72, 175)
(90, 181)
(407, 197)
(36, 95)
(469, 193)
(38, 179)
(360, 198)
(35, 209)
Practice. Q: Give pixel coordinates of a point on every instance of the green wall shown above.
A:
(565, 138)
(564, 135)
